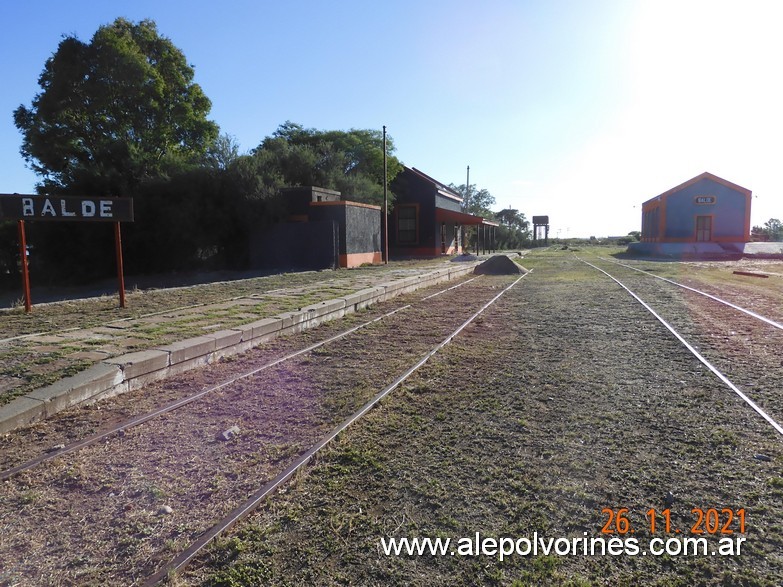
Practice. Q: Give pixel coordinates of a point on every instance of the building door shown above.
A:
(703, 229)
(442, 238)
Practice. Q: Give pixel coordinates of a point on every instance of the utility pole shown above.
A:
(467, 191)
(385, 205)
(465, 209)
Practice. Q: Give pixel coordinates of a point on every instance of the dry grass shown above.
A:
(563, 399)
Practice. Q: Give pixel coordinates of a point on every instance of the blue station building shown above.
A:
(704, 215)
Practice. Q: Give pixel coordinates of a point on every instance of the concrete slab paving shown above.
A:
(121, 362)
(140, 363)
(93, 356)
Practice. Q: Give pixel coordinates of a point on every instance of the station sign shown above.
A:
(65, 208)
(705, 199)
(24, 208)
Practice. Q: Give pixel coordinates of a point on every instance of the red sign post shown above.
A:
(28, 306)
(66, 209)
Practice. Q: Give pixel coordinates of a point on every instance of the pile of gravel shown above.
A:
(498, 265)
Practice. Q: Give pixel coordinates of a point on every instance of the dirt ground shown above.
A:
(563, 403)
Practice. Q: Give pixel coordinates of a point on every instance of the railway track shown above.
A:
(121, 427)
(62, 338)
(203, 454)
(751, 313)
(581, 402)
(736, 344)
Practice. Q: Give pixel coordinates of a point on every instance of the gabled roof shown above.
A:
(705, 175)
(442, 189)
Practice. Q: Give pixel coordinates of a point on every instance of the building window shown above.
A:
(407, 220)
(703, 229)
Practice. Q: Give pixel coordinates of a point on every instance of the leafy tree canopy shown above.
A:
(223, 152)
(513, 219)
(475, 201)
(514, 229)
(771, 231)
(350, 162)
(774, 229)
(115, 111)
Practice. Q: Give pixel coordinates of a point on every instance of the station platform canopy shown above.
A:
(444, 215)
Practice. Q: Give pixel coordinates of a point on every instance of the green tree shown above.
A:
(475, 201)
(223, 152)
(512, 218)
(115, 111)
(514, 229)
(120, 115)
(774, 229)
(350, 162)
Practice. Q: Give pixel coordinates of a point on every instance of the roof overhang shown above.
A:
(706, 175)
(444, 215)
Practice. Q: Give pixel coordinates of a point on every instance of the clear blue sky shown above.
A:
(579, 109)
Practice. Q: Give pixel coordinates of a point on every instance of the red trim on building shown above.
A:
(357, 259)
(659, 202)
(444, 215)
(705, 175)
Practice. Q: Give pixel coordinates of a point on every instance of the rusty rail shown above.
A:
(778, 428)
(243, 510)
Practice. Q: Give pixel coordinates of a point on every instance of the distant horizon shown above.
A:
(569, 109)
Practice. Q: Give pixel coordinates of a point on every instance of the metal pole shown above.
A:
(120, 275)
(385, 205)
(467, 192)
(28, 304)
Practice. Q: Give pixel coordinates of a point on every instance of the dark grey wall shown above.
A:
(362, 231)
(298, 245)
(360, 227)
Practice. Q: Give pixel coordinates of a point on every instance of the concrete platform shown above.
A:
(133, 370)
(762, 248)
(706, 250)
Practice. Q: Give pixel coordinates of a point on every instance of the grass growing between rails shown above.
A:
(528, 423)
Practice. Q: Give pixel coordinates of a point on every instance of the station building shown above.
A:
(706, 214)
(703, 209)
(323, 231)
(428, 220)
